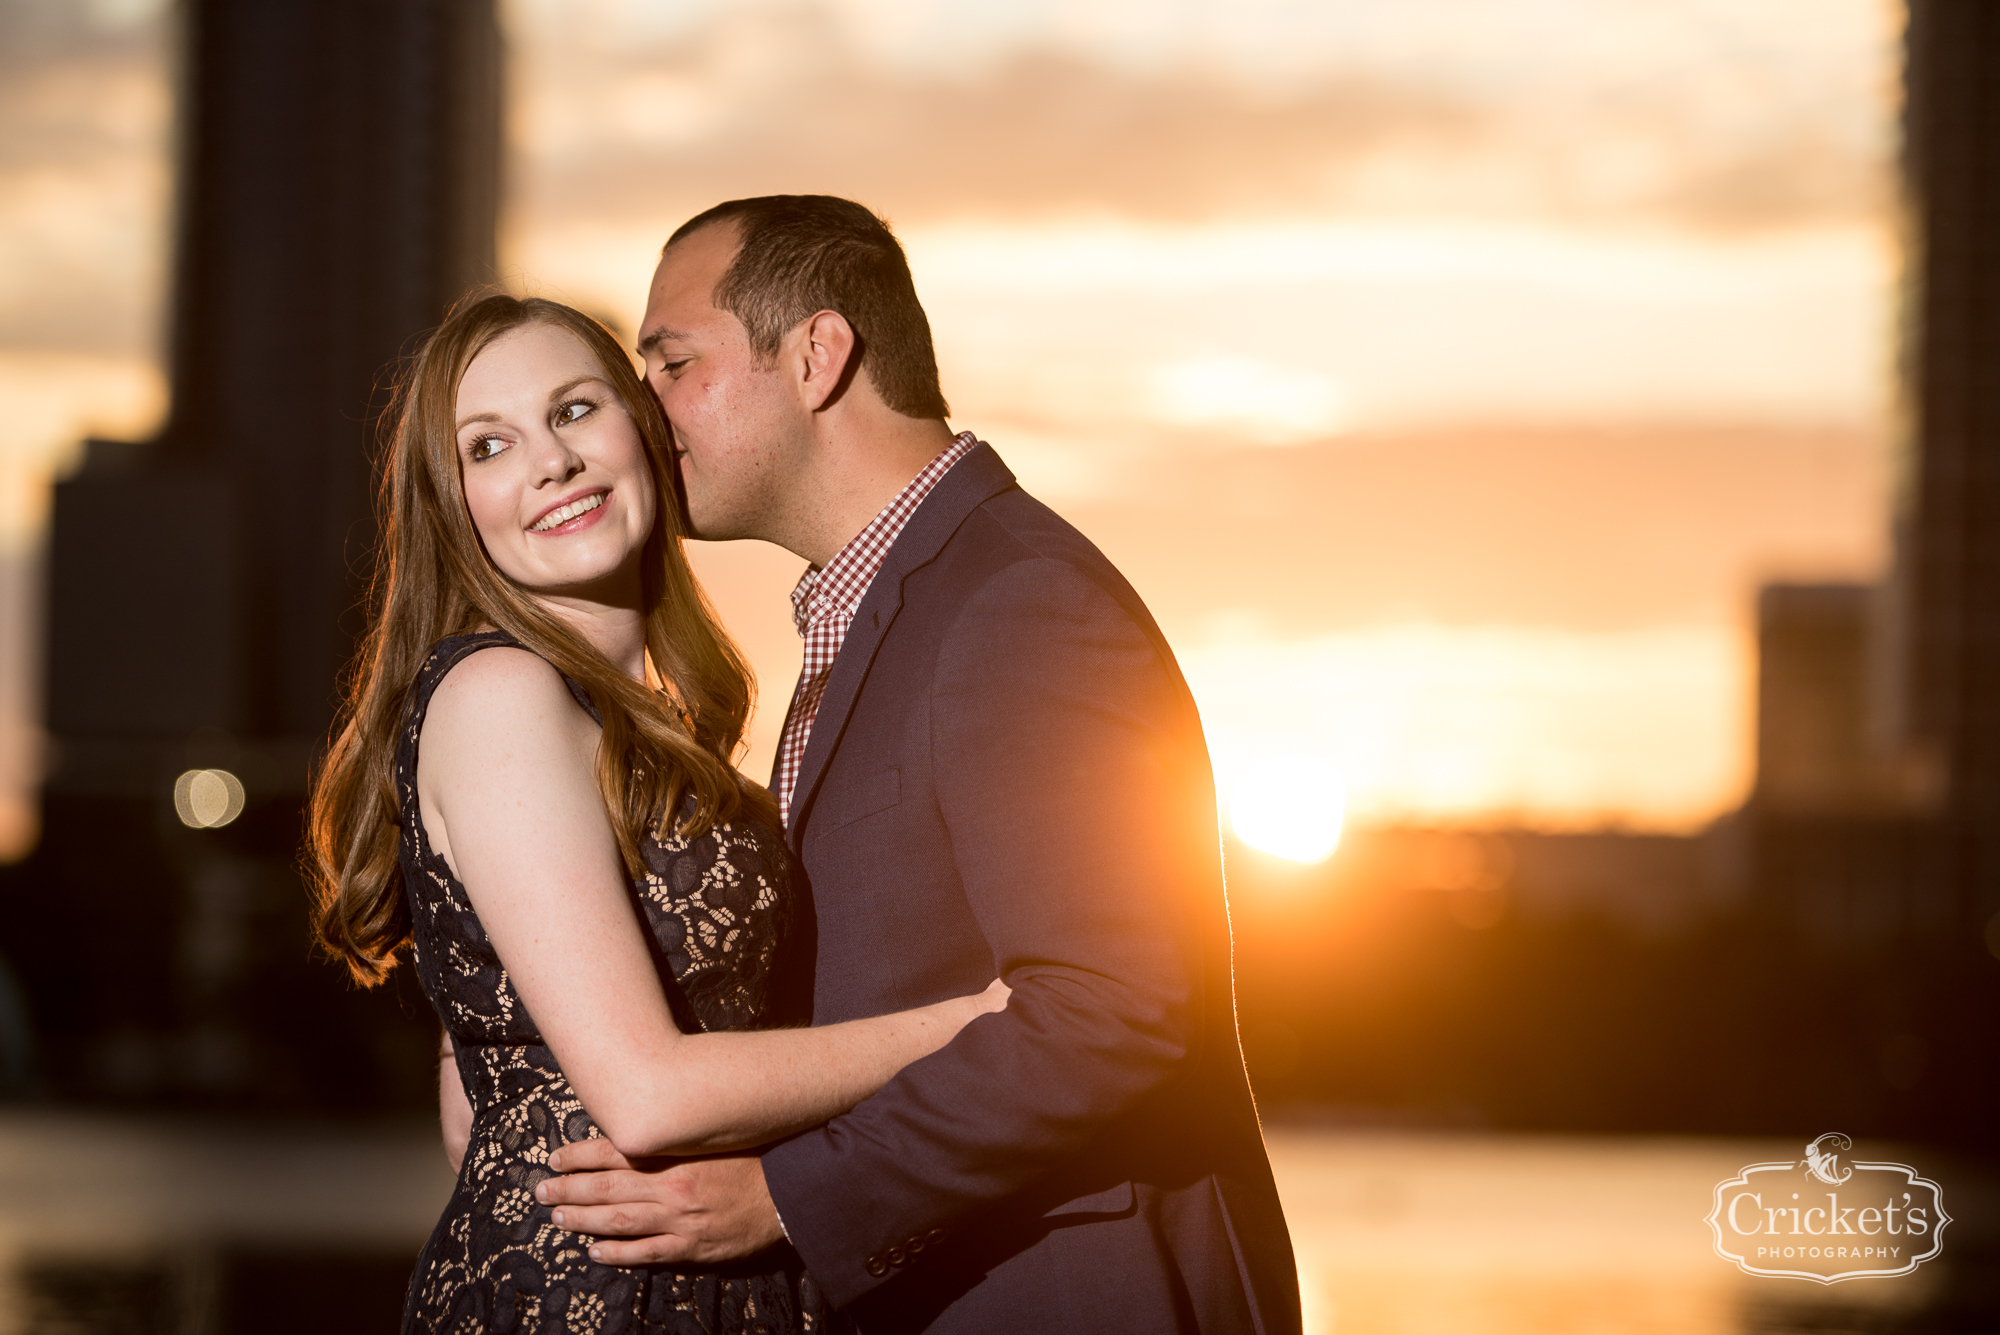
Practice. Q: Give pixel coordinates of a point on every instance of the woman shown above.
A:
(532, 789)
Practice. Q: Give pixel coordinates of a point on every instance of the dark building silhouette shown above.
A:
(1815, 751)
(337, 192)
(1874, 832)
(1946, 584)
(1844, 842)
(1878, 797)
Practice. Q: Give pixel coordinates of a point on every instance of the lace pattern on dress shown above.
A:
(717, 909)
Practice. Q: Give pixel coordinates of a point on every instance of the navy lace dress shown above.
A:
(717, 908)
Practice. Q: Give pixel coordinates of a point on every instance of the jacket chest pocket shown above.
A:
(843, 803)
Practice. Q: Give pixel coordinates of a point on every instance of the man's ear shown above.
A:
(829, 354)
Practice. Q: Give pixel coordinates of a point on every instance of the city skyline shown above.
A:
(1445, 377)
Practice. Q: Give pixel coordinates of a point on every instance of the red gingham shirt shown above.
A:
(826, 598)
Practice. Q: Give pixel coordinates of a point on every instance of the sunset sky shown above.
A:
(1445, 373)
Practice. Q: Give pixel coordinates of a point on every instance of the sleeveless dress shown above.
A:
(717, 909)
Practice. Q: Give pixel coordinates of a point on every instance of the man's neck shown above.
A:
(858, 479)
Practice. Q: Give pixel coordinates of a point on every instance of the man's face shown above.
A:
(738, 427)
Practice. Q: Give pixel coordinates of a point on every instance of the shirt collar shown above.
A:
(843, 581)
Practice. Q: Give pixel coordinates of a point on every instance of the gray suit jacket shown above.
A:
(1007, 776)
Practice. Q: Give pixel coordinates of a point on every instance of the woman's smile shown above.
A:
(574, 515)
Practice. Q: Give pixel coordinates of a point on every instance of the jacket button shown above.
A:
(915, 1244)
(896, 1256)
(934, 1237)
(877, 1267)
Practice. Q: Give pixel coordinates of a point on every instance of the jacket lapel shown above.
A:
(973, 481)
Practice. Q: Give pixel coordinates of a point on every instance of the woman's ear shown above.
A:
(827, 353)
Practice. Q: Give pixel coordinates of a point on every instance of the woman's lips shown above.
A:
(571, 515)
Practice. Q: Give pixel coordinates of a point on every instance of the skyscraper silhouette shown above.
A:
(338, 181)
(1946, 586)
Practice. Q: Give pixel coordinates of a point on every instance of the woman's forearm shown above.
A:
(730, 1091)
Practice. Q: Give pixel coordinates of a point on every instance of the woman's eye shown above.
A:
(571, 413)
(484, 448)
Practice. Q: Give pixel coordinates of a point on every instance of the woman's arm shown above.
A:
(507, 794)
(454, 1109)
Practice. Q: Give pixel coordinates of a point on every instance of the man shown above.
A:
(991, 765)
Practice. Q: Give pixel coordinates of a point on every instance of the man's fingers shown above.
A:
(601, 1188)
(663, 1249)
(624, 1220)
(587, 1156)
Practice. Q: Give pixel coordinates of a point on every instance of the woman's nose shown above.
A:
(554, 460)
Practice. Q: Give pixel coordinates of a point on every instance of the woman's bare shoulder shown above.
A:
(505, 750)
(499, 692)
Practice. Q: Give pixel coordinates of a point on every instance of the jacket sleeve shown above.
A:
(1075, 789)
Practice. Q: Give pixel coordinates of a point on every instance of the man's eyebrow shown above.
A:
(554, 394)
(657, 337)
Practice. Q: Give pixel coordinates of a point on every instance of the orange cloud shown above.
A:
(618, 118)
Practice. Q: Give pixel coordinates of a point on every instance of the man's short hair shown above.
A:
(801, 254)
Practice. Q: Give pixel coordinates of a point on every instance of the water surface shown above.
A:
(134, 1225)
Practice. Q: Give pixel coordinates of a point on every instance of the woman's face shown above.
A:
(555, 472)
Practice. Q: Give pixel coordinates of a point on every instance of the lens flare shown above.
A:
(208, 799)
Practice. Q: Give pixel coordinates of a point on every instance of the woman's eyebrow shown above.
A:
(554, 394)
(568, 385)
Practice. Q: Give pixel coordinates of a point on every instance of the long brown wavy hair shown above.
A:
(434, 579)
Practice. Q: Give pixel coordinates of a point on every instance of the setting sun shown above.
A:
(1290, 808)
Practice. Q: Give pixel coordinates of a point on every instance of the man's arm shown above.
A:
(1073, 783)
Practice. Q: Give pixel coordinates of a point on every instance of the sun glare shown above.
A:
(1441, 725)
(1289, 808)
